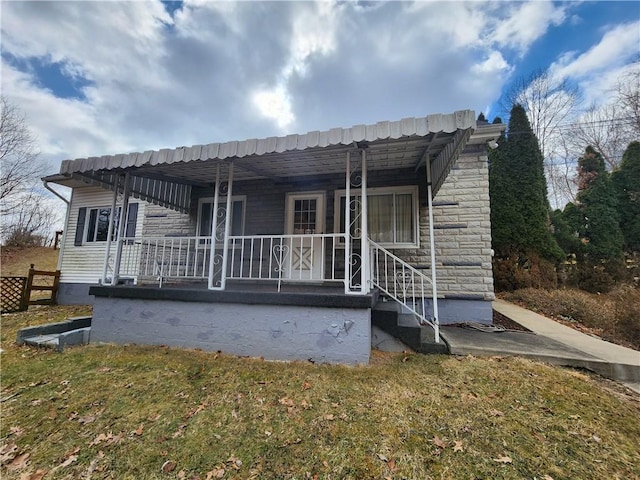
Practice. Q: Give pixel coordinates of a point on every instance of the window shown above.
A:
(98, 225)
(93, 224)
(205, 212)
(392, 215)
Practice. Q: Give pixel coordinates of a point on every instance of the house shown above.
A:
(258, 247)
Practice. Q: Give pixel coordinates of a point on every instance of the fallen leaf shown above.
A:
(180, 431)
(383, 457)
(87, 419)
(68, 461)
(100, 438)
(391, 464)
(113, 439)
(104, 369)
(37, 475)
(93, 466)
(192, 412)
(503, 459)
(72, 416)
(215, 473)
(138, 431)
(457, 447)
(8, 452)
(182, 474)
(168, 466)
(496, 413)
(438, 442)
(306, 386)
(235, 462)
(36, 402)
(19, 462)
(286, 401)
(329, 417)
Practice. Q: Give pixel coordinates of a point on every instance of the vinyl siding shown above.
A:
(83, 264)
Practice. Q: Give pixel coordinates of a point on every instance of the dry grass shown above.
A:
(614, 316)
(16, 263)
(105, 411)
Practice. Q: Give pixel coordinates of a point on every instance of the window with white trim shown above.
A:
(93, 224)
(392, 215)
(205, 215)
(98, 224)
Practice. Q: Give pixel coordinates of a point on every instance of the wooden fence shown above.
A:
(15, 292)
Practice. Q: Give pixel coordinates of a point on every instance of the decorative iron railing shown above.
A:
(403, 283)
(293, 258)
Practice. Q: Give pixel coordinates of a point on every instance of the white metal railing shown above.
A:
(165, 257)
(403, 283)
(302, 258)
(295, 258)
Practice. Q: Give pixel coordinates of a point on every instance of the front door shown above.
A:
(305, 224)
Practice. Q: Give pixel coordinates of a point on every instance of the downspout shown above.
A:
(66, 220)
(432, 251)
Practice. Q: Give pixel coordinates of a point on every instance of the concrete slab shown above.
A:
(606, 358)
(381, 340)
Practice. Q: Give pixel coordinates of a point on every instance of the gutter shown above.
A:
(46, 185)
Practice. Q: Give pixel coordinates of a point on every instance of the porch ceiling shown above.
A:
(407, 143)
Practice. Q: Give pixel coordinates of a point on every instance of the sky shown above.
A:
(96, 78)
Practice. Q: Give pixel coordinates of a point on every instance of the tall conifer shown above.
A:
(627, 183)
(518, 191)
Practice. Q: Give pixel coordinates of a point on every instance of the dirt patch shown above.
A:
(505, 322)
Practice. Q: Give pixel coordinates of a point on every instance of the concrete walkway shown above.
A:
(549, 342)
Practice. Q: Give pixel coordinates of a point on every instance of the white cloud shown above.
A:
(526, 22)
(275, 104)
(617, 47)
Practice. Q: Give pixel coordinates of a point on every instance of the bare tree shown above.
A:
(611, 127)
(20, 167)
(30, 223)
(628, 95)
(549, 104)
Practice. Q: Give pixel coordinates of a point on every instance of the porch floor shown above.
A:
(242, 292)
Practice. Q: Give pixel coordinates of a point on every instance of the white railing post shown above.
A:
(122, 225)
(432, 249)
(364, 229)
(214, 226)
(107, 252)
(347, 226)
(227, 227)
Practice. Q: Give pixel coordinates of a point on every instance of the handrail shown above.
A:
(403, 283)
(287, 257)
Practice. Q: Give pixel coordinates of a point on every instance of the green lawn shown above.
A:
(104, 411)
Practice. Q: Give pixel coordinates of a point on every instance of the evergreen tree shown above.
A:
(518, 191)
(627, 183)
(598, 204)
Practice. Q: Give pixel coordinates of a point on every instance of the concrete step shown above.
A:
(405, 327)
(74, 331)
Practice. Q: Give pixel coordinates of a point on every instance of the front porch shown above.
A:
(308, 228)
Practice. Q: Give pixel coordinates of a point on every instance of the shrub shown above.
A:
(523, 270)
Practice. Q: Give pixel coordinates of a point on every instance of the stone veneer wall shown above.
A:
(160, 221)
(462, 228)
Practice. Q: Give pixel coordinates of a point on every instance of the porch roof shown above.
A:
(166, 176)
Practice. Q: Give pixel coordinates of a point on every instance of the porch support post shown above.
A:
(227, 228)
(432, 250)
(347, 225)
(364, 230)
(122, 225)
(107, 251)
(214, 227)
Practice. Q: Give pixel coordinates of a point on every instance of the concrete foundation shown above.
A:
(279, 332)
